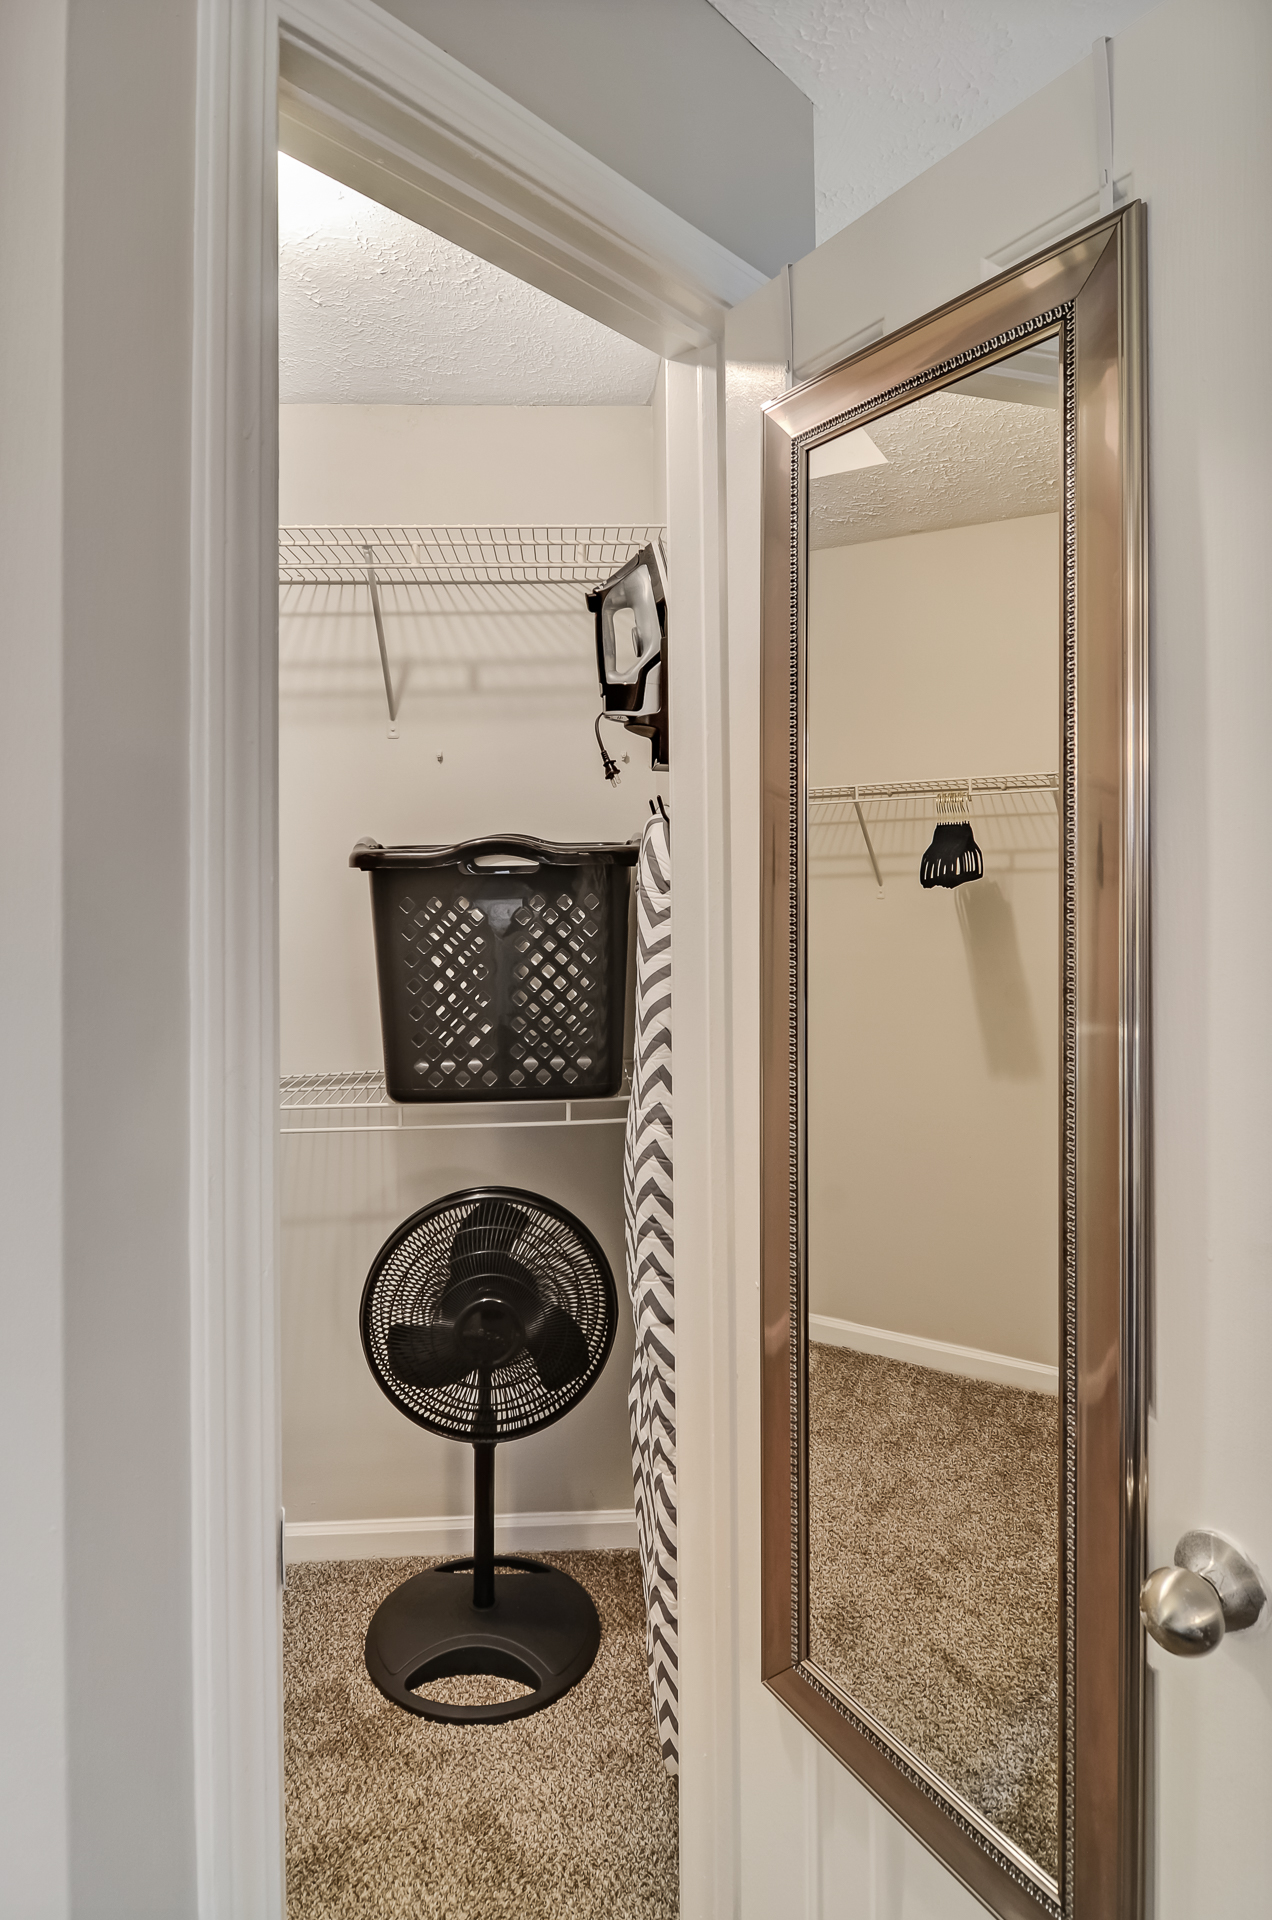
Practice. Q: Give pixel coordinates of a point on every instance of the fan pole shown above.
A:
(483, 1525)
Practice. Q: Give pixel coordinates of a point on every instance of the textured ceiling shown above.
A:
(897, 84)
(954, 459)
(374, 309)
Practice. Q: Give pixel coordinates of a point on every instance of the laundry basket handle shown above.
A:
(507, 852)
(498, 856)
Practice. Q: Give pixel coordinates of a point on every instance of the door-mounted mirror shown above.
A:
(955, 1054)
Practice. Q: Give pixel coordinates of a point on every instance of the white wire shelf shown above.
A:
(359, 1103)
(457, 556)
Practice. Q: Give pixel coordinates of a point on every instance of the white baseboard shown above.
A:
(452, 1535)
(972, 1362)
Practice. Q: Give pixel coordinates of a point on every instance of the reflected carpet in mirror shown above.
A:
(934, 1574)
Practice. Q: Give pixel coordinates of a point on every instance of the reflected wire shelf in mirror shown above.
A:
(358, 1103)
(894, 789)
(1019, 810)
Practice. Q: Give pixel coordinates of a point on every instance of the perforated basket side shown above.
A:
(501, 986)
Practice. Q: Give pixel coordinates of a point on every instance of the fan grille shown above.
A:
(412, 1270)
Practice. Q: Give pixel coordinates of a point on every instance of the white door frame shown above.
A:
(435, 140)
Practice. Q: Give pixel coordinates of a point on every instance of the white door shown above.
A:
(809, 1840)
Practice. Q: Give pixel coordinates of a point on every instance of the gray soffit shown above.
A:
(898, 84)
(374, 309)
(663, 91)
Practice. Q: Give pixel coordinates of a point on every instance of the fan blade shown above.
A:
(557, 1347)
(494, 1227)
(427, 1356)
(497, 1223)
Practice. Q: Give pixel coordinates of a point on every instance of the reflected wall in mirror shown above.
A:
(933, 956)
(954, 844)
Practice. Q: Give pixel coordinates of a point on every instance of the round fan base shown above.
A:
(542, 1630)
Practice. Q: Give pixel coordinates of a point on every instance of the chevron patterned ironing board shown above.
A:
(647, 1186)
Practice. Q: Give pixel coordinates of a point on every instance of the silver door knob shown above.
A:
(1211, 1590)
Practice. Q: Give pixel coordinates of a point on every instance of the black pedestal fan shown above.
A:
(485, 1316)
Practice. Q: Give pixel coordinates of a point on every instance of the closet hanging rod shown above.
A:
(459, 556)
(893, 789)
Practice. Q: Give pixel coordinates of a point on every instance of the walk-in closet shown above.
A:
(463, 461)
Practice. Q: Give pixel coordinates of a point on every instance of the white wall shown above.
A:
(97, 108)
(1210, 415)
(495, 734)
(933, 1016)
(1192, 136)
(125, 978)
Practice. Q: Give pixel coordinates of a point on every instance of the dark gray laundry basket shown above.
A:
(502, 966)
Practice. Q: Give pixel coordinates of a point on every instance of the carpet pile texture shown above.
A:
(934, 1574)
(389, 1817)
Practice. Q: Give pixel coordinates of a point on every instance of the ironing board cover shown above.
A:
(647, 1190)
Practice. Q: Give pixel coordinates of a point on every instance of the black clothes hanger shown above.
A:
(953, 858)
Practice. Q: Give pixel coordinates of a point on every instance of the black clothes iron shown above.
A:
(635, 696)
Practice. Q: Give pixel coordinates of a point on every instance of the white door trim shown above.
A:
(233, 993)
(235, 1419)
(702, 1000)
(368, 101)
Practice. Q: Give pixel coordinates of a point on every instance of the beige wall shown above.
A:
(934, 1015)
(443, 466)
(347, 1453)
(495, 735)
(936, 653)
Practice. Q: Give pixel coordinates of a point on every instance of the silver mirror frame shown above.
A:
(1090, 287)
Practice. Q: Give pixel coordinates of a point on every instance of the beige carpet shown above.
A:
(933, 1574)
(390, 1817)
